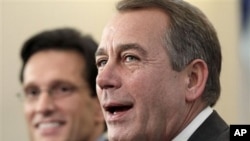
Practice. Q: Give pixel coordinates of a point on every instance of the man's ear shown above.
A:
(196, 74)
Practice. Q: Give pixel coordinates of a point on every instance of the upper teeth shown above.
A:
(48, 125)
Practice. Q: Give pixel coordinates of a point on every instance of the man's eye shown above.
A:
(101, 63)
(32, 93)
(130, 58)
(63, 89)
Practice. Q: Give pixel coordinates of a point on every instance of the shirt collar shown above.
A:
(196, 122)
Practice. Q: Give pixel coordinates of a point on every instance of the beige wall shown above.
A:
(1, 81)
(19, 19)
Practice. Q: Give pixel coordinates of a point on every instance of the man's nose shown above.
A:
(45, 104)
(109, 77)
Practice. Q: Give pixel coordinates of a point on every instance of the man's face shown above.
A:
(142, 98)
(58, 104)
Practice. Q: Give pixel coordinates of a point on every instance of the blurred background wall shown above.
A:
(20, 19)
(1, 81)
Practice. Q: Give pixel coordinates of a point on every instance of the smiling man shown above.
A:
(58, 79)
(159, 63)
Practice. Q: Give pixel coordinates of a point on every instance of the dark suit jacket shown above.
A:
(214, 128)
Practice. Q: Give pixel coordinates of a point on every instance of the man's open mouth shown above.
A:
(114, 109)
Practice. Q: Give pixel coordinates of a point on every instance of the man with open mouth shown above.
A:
(158, 64)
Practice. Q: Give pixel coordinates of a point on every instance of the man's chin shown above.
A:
(49, 139)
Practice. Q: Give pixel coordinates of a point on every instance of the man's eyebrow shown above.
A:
(100, 51)
(132, 46)
(28, 85)
(122, 48)
(51, 84)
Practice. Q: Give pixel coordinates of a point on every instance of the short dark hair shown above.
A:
(189, 36)
(67, 39)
